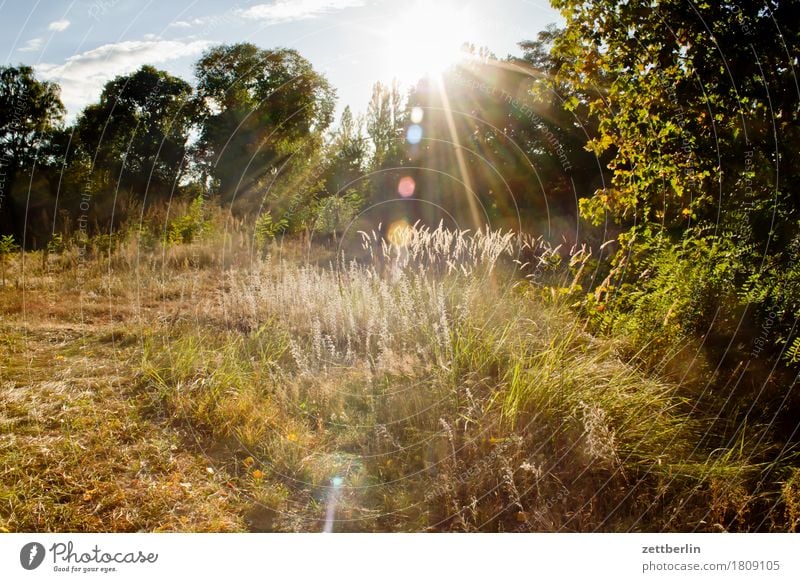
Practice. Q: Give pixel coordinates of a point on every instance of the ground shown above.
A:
(82, 448)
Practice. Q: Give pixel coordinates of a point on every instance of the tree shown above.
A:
(30, 111)
(7, 248)
(384, 121)
(136, 136)
(347, 153)
(344, 186)
(496, 145)
(260, 107)
(684, 87)
(556, 142)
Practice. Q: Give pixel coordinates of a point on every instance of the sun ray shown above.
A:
(462, 166)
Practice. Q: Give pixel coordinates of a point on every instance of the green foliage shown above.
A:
(384, 121)
(333, 213)
(31, 114)
(105, 243)
(793, 353)
(189, 226)
(29, 110)
(266, 229)
(136, 135)
(7, 247)
(345, 156)
(56, 245)
(261, 109)
(669, 290)
(692, 162)
(145, 238)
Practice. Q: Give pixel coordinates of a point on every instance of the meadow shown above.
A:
(431, 380)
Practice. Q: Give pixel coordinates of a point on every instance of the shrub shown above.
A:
(661, 291)
(7, 247)
(334, 212)
(266, 229)
(56, 245)
(191, 225)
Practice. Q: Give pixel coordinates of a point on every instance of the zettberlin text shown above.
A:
(667, 549)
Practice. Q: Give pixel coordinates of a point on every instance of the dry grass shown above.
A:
(76, 451)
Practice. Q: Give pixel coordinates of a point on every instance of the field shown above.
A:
(437, 381)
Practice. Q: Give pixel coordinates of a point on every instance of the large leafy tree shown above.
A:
(699, 103)
(556, 135)
(260, 109)
(30, 111)
(136, 136)
(682, 87)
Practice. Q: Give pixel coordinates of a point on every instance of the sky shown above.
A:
(82, 44)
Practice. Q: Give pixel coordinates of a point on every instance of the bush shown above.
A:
(660, 292)
(334, 212)
(191, 225)
(266, 229)
(56, 245)
(7, 247)
(105, 244)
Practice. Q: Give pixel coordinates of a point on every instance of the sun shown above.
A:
(425, 39)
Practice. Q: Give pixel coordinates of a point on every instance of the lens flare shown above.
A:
(416, 115)
(414, 134)
(406, 187)
(333, 498)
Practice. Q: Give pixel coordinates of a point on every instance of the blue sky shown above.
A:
(84, 43)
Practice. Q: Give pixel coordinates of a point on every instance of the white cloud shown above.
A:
(83, 76)
(58, 25)
(290, 10)
(187, 23)
(32, 45)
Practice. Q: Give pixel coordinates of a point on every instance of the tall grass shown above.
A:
(430, 377)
